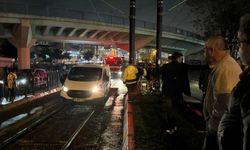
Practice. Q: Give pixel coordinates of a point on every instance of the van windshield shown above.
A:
(85, 74)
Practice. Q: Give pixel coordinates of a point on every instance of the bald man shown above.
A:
(222, 79)
(234, 127)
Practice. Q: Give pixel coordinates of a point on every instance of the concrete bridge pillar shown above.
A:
(22, 40)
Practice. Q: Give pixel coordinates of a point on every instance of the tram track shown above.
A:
(28, 128)
(69, 142)
(61, 127)
(57, 131)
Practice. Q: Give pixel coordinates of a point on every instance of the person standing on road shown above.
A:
(31, 82)
(130, 80)
(174, 83)
(175, 80)
(222, 79)
(11, 84)
(234, 127)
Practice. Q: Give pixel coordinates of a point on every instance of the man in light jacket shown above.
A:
(222, 79)
(234, 127)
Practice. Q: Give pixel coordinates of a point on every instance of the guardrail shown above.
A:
(41, 10)
(52, 82)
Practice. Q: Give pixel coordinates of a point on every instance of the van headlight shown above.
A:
(95, 89)
(120, 72)
(65, 89)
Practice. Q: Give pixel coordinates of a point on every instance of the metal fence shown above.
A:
(26, 89)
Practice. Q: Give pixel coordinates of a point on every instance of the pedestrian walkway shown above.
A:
(4, 101)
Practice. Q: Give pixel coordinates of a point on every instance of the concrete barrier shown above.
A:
(17, 103)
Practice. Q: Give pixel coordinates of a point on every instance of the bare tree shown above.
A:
(219, 17)
(48, 53)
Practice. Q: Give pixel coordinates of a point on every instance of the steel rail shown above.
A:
(25, 130)
(69, 142)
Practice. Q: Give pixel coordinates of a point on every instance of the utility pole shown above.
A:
(132, 32)
(159, 33)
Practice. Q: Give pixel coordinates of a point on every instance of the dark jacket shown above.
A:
(234, 127)
(175, 79)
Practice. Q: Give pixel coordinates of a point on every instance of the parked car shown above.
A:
(86, 82)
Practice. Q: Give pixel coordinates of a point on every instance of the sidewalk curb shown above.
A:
(128, 127)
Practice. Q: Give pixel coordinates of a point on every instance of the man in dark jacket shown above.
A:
(234, 128)
(174, 83)
(175, 79)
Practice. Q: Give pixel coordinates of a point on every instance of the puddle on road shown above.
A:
(109, 102)
(113, 134)
(13, 120)
(117, 83)
(36, 109)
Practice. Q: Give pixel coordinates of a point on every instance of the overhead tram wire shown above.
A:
(185, 18)
(173, 7)
(177, 14)
(113, 7)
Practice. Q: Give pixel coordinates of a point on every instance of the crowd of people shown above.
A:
(225, 84)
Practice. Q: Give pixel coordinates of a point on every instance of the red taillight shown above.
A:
(110, 57)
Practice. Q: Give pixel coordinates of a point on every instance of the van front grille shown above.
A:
(78, 94)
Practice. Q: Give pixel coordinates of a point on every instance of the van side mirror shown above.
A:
(106, 78)
(63, 78)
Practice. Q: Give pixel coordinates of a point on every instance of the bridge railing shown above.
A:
(40, 10)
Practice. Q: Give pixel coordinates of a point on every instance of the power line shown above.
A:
(113, 7)
(170, 9)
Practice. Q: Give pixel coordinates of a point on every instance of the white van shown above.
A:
(86, 82)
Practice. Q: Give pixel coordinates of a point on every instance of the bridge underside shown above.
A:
(52, 29)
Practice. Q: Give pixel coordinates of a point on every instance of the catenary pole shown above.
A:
(159, 32)
(132, 32)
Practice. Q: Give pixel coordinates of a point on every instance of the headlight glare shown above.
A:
(95, 89)
(65, 89)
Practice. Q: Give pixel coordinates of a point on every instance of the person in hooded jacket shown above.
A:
(130, 78)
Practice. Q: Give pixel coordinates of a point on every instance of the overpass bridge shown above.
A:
(25, 24)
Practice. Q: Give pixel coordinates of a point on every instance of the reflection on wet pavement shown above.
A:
(12, 120)
(36, 109)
